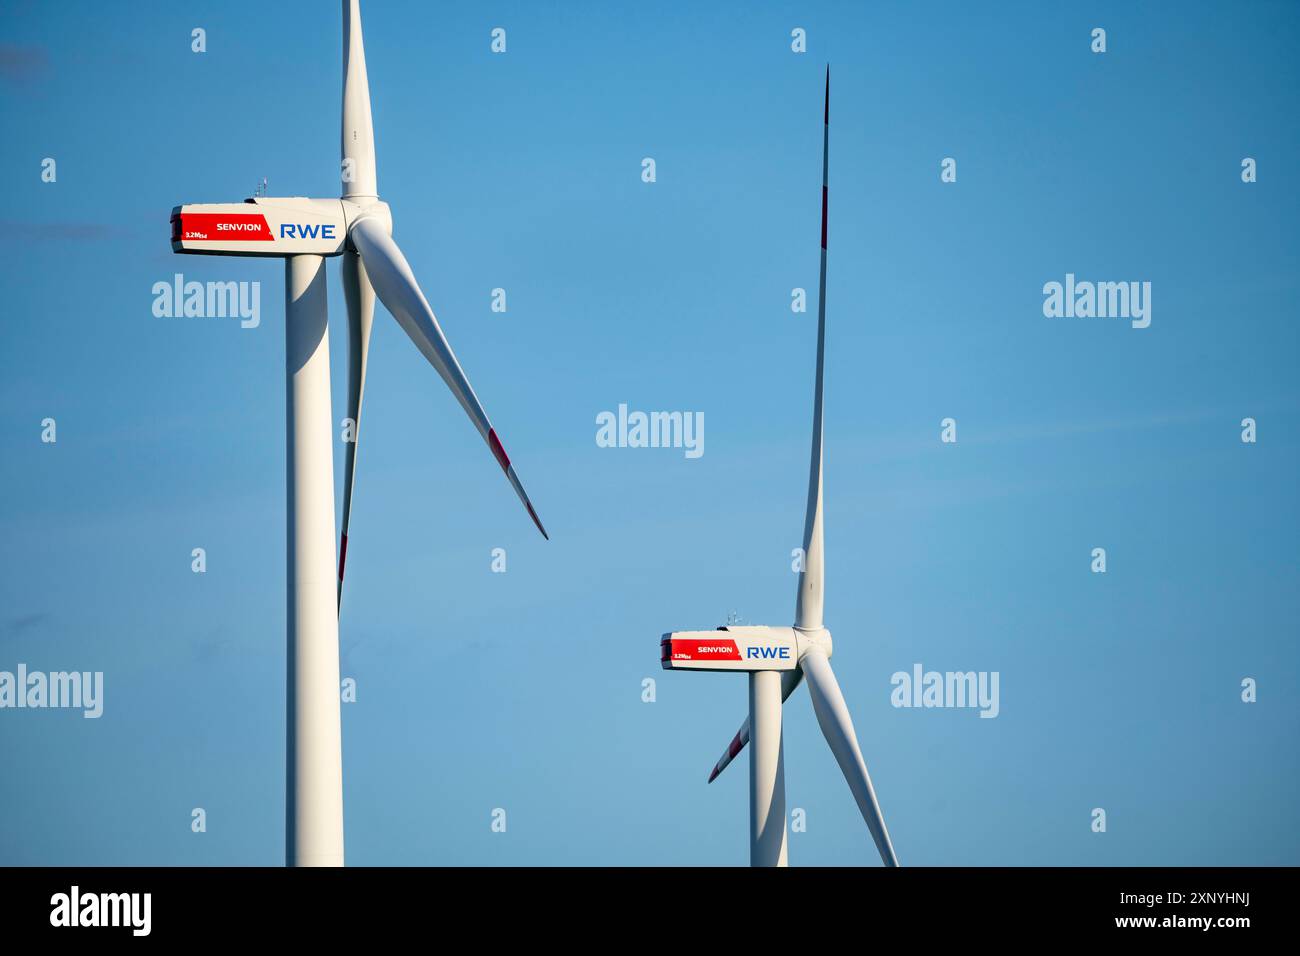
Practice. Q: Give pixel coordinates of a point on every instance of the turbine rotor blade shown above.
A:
(808, 604)
(395, 284)
(837, 727)
(358, 136)
(789, 681)
(360, 298)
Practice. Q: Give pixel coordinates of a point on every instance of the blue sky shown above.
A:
(522, 171)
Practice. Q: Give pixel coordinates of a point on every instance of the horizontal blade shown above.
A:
(789, 681)
(395, 284)
(837, 727)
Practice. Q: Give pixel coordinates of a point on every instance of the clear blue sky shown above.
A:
(523, 690)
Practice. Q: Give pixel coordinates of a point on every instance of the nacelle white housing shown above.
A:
(262, 226)
(740, 648)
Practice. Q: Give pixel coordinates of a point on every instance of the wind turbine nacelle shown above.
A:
(262, 226)
(738, 648)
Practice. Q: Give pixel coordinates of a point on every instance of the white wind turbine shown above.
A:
(357, 227)
(777, 658)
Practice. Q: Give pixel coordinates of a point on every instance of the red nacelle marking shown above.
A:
(711, 650)
(224, 227)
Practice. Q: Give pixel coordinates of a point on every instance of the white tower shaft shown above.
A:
(314, 785)
(766, 771)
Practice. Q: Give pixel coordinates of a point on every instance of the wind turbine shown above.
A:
(778, 658)
(358, 227)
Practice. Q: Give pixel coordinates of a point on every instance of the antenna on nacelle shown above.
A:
(261, 188)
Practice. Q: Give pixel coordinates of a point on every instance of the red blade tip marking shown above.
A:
(824, 197)
(497, 451)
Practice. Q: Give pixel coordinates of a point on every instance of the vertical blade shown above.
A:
(358, 140)
(808, 605)
(360, 297)
(837, 728)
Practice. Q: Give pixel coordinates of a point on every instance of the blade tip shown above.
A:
(536, 520)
